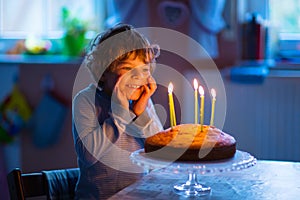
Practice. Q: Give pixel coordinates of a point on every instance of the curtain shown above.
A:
(204, 17)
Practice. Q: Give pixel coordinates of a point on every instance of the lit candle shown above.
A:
(171, 106)
(213, 94)
(196, 100)
(201, 92)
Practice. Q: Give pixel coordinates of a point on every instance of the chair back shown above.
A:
(53, 184)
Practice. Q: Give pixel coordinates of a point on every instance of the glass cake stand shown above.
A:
(192, 187)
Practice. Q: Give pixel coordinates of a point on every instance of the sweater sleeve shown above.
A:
(146, 124)
(90, 137)
(94, 139)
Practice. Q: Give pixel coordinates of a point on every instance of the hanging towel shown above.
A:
(14, 114)
(61, 183)
(47, 120)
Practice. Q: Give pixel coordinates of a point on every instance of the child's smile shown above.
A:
(132, 76)
(134, 80)
(134, 91)
(133, 86)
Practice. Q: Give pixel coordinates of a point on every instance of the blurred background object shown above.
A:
(75, 29)
(37, 46)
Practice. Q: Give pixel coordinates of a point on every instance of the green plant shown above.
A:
(73, 25)
(75, 29)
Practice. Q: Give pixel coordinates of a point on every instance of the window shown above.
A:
(21, 18)
(285, 16)
(285, 23)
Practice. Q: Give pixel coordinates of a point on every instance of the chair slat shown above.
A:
(24, 185)
(33, 185)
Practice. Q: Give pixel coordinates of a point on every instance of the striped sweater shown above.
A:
(104, 136)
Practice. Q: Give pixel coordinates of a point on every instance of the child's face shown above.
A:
(131, 75)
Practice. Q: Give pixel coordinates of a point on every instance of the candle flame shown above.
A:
(170, 87)
(195, 84)
(201, 90)
(213, 93)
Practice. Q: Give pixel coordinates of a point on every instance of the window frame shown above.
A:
(99, 17)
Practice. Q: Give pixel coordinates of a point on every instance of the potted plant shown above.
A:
(74, 36)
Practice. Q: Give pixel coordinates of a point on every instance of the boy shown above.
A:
(111, 119)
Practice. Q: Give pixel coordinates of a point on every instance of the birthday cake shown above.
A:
(191, 142)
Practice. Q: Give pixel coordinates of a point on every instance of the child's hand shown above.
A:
(140, 105)
(119, 96)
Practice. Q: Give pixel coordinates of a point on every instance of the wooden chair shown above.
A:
(52, 184)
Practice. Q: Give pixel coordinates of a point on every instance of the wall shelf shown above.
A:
(39, 59)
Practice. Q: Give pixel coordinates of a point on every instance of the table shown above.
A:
(266, 180)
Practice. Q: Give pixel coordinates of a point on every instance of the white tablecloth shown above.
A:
(266, 180)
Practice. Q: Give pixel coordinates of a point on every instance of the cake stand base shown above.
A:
(191, 187)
